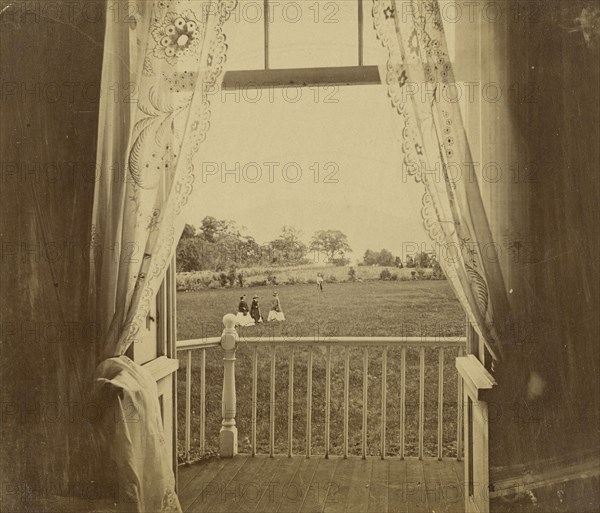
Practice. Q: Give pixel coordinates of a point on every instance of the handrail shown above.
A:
(231, 338)
(198, 343)
(205, 343)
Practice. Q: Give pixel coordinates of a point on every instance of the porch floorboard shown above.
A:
(261, 484)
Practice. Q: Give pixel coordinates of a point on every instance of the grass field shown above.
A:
(370, 308)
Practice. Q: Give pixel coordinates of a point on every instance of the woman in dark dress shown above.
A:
(255, 310)
(243, 319)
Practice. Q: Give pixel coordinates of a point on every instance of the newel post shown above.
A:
(228, 435)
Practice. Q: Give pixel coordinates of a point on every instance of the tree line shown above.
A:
(219, 244)
(385, 258)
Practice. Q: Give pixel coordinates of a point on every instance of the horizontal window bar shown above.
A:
(301, 77)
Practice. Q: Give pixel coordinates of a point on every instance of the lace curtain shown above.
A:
(161, 58)
(159, 63)
(422, 89)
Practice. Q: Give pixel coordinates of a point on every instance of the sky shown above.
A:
(314, 158)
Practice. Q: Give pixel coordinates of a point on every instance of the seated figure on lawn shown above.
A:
(243, 318)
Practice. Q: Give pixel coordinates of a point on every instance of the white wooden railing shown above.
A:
(227, 344)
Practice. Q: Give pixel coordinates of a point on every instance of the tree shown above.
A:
(386, 258)
(288, 247)
(383, 257)
(332, 243)
(189, 231)
(371, 257)
(213, 230)
(422, 260)
(209, 228)
(249, 251)
(188, 256)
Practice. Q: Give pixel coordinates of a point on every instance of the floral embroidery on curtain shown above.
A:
(419, 80)
(176, 53)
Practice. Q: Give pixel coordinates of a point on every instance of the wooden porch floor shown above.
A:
(261, 484)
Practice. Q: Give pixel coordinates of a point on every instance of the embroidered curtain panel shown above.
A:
(159, 63)
(422, 89)
(161, 58)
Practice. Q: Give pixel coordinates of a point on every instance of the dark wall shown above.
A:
(546, 409)
(543, 132)
(50, 65)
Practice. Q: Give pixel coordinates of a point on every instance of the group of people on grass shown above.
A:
(251, 316)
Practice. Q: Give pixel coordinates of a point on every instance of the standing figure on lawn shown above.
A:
(276, 313)
(320, 282)
(255, 310)
(243, 318)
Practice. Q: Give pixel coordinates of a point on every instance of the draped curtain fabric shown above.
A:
(422, 89)
(161, 59)
(132, 435)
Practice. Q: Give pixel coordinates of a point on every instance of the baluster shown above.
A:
(365, 390)
(459, 415)
(203, 401)
(383, 399)
(291, 405)
(327, 398)
(188, 403)
(402, 400)
(421, 399)
(440, 402)
(254, 396)
(272, 406)
(346, 398)
(228, 435)
(309, 402)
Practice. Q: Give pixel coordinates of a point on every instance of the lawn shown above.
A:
(370, 308)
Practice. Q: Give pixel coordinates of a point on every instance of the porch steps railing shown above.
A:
(227, 343)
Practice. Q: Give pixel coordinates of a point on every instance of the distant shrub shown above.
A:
(420, 273)
(257, 283)
(271, 278)
(352, 274)
(340, 262)
(214, 285)
(223, 279)
(437, 273)
(332, 279)
(231, 276)
(385, 274)
(394, 277)
(240, 279)
(413, 274)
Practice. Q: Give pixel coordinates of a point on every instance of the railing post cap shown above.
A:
(229, 321)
